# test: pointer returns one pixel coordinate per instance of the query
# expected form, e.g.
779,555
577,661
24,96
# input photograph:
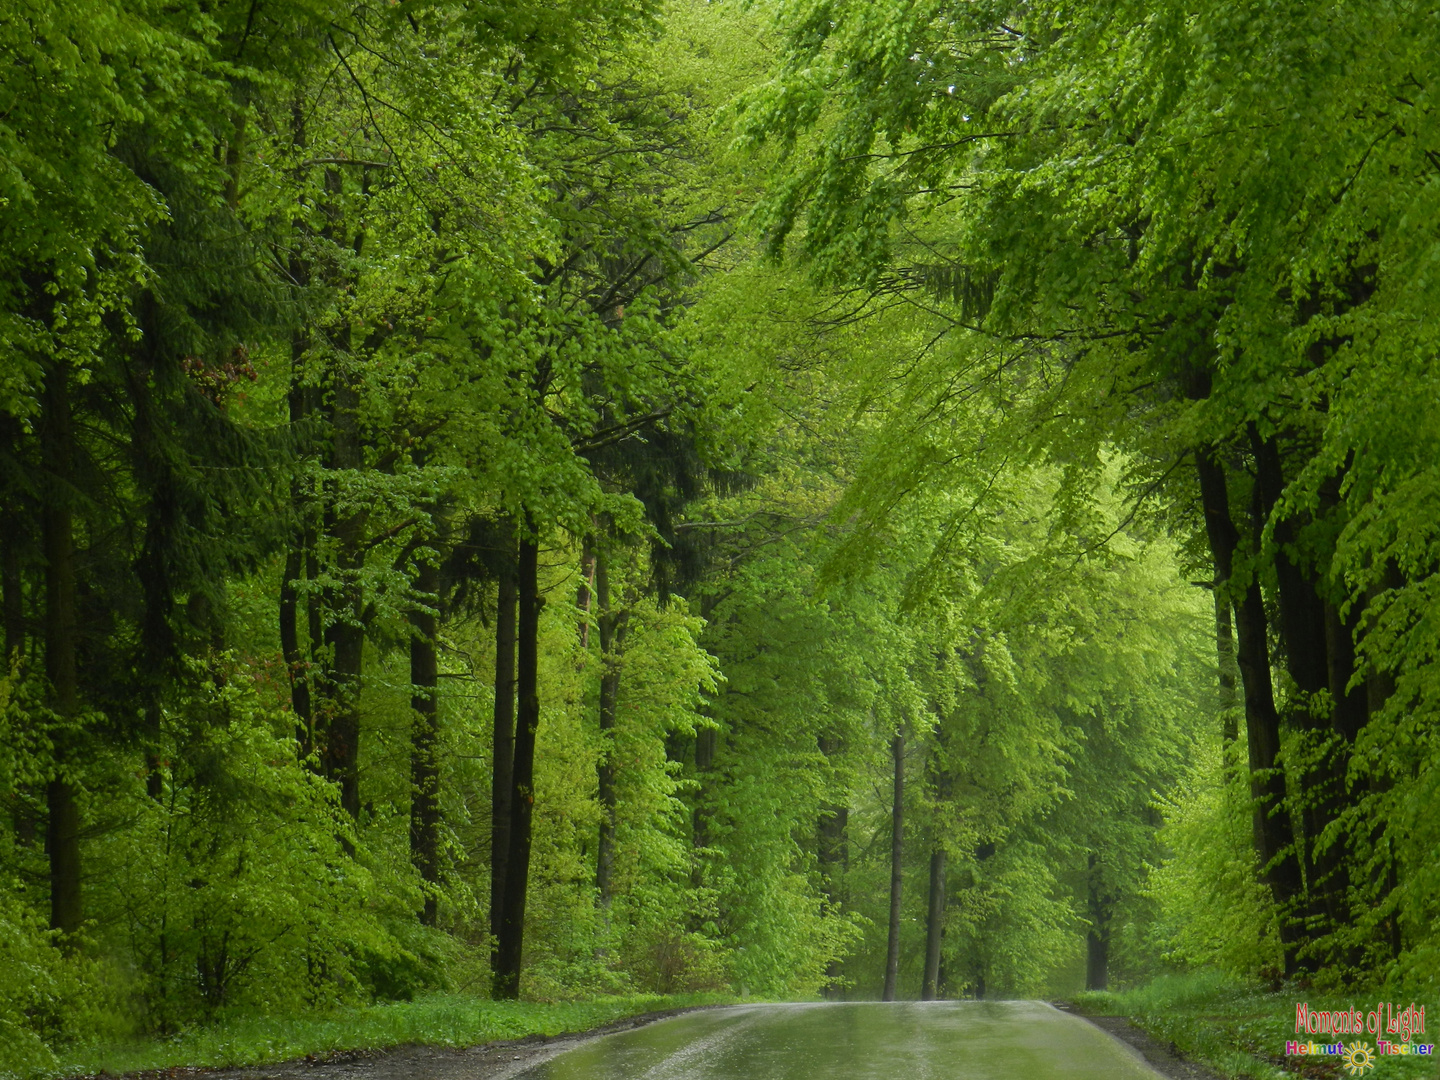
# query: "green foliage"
346,302
1214,913
437,1020
50,1000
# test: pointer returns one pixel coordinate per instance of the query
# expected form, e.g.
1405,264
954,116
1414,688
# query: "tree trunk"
832,854
346,633
897,852
1303,625
611,625
425,738
1097,939
503,742
934,926
522,794
346,638
1274,838
290,651
61,666
295,667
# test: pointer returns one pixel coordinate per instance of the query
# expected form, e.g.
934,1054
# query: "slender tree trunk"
290,651
1097,938
934,925
425,739
346,633
295,666
897,852
1274,838
346,637
1225,655
611,625
503,742
61,665
522,795
584,591
832,853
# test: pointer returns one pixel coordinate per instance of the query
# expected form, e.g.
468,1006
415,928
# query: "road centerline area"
945,1040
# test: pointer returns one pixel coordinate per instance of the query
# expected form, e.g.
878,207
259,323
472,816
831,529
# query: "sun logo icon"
1358,1057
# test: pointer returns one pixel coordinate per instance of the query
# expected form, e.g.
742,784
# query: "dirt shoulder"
499,1060
1165,1058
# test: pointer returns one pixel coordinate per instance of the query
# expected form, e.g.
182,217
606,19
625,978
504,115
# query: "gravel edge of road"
1166,1059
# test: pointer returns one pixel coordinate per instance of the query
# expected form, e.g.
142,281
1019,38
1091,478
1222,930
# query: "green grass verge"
440,1020
1241,1031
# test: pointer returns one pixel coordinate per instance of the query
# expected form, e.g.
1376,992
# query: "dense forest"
851,498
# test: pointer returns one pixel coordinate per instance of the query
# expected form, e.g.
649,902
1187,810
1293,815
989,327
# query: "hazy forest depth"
804,498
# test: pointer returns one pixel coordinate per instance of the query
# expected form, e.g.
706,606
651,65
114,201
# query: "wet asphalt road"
944,1040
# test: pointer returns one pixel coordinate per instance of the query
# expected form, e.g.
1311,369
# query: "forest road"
942,1040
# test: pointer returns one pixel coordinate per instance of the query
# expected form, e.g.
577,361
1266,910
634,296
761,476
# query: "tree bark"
503,742
1274,838
897,852
1097,938
295,667
61,665
834,859
1225,657
345,634
425,739
1303,625
934,925
522,794
611,625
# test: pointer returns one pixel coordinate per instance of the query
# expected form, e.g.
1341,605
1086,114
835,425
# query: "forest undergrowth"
451,1020
1239,1029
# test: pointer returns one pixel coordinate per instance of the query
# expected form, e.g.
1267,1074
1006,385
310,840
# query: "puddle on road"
941,1040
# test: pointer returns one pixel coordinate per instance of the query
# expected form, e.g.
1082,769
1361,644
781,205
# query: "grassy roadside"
1241,1031
439,1020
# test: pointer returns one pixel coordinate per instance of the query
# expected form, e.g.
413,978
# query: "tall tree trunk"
611,625
345,634
1303,626
425,738
61,666
295,666
934,925
503,741
897,852
1274,838
1097,938
833,855
522,794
